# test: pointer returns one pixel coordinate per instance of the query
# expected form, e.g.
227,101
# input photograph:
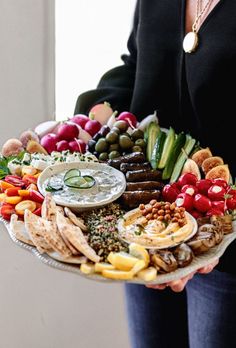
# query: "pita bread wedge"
73,259
73,250
35,227
18,229
49,208
75,219
76,238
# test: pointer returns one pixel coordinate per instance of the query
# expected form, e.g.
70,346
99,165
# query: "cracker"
18,229
75,219
76,238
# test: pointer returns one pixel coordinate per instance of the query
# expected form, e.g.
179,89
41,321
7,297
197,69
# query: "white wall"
41,307
91,35
26,65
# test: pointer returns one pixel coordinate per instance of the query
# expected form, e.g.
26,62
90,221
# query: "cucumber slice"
72,173
188,147
80,182
157,151
172,158
152,133
167,148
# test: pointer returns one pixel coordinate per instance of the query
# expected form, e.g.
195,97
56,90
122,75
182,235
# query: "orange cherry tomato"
5,185
23,193
22,206
29,179
13,200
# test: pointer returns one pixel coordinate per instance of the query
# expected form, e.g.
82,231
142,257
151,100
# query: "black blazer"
191,92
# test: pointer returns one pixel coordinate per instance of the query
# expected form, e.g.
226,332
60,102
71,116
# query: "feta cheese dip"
108,184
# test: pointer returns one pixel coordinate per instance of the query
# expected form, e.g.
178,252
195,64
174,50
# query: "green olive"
115,129
112,137
101,145
113,147
137,134
137,148
114,154
122,125
103,156
140,142
125,142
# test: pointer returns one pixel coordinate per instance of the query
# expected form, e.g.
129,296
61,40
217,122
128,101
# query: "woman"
191,90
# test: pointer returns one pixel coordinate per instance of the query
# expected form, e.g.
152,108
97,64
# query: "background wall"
41,307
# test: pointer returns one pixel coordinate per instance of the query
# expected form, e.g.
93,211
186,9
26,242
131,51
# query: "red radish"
187,178
170,193
80,120
68,131
231,203
190,189
214,211
101,112
220,182
46,127
216,193
49,142
77,146
83,135
92,127
203,185
201,203
219,205
128,117
196,214
62,145
184,200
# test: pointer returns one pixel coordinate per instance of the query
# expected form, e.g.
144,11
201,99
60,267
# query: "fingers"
179,285
157,287
208,268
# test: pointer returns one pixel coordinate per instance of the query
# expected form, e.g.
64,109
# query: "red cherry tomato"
38,211
189,189
220,182
14,180
184,200
12,191
216,193
203,185
29,179
201,203
170,193
196,214
187,178
36,196
6,210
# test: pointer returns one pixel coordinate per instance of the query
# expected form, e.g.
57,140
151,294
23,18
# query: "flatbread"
73,250
18,229
75,219
77,260
76,238
49,208
35,227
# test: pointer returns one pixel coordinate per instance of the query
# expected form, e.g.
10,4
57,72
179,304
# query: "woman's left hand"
179,285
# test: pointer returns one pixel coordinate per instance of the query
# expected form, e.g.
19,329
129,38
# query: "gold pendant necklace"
191,40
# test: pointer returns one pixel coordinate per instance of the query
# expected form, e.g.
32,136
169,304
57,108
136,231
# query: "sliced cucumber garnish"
72,173
80,182
54,185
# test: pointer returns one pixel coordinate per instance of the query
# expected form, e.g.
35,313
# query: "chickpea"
173,206
149,210
181,222
161,212
155,216
167,217
177,215
174,219
149,217
160,218
144,212
167,206
157,205
168,211
154,210
141,206
153,201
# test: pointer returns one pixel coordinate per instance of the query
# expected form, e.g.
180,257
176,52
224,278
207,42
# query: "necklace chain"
200,13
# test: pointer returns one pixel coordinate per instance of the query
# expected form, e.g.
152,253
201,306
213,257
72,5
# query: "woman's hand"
179,285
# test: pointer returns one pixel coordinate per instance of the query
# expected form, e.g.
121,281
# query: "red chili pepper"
6,210
14,180
201,203
203,185
187,178
184,200
189,189
36,196
216,193
170,193
12,191
38,211
196,214
232,191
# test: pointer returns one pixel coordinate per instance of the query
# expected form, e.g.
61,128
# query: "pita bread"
35,227
73,259
49,208
75,219
73,250
18,229
76,238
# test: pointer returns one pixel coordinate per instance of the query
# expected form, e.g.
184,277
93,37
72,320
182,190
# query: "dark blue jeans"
202,316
